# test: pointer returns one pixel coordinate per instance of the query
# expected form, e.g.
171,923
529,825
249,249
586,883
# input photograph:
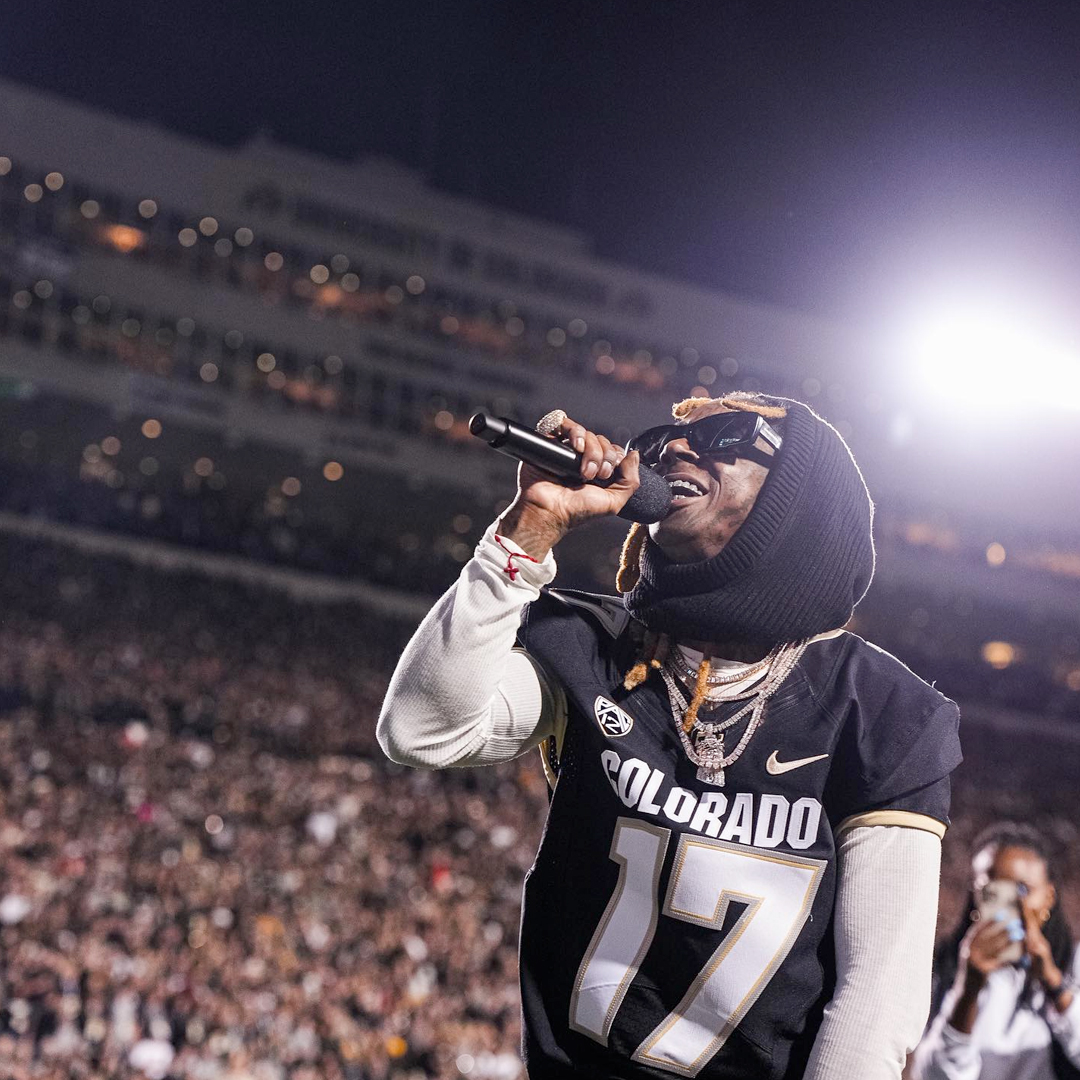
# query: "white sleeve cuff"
513,562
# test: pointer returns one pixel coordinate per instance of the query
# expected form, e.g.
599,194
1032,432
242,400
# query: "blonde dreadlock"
654,653
630,557
741,401
700,686
627,576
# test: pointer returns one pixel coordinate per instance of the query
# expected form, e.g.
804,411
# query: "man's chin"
679,545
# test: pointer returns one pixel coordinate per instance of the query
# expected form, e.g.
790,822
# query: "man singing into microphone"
738,876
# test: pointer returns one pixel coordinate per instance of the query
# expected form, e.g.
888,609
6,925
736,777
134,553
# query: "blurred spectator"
1007,1007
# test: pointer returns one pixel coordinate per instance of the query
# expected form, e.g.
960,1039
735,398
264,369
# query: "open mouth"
683,490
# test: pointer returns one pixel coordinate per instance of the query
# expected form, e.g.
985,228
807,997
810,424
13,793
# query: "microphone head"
487,427
651,501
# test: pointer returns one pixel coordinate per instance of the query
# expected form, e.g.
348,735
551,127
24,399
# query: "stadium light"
998,360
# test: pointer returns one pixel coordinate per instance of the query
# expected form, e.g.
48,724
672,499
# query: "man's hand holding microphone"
545,508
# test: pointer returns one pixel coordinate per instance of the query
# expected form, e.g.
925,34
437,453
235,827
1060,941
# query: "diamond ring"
550,422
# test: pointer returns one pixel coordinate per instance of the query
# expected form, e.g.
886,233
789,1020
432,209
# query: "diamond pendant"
709,748
711,776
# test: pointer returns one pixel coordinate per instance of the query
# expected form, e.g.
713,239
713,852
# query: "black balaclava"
796,567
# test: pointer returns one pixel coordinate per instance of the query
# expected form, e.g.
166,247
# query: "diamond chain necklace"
719,678
704,745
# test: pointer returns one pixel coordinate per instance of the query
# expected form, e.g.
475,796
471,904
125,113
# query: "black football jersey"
675,927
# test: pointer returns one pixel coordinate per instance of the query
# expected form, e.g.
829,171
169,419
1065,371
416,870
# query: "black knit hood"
797,566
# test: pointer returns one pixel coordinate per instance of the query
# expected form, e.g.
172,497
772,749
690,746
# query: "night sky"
827,156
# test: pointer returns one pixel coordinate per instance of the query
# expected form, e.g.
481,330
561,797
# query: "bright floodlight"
997,360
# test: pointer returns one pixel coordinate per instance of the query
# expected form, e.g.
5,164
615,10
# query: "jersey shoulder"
898,737
848,672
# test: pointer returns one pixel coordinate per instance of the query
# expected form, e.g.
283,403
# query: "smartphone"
999,900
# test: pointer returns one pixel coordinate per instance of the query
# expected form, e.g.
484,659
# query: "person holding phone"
1008,1009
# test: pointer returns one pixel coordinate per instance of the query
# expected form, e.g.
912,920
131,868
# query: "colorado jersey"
676,928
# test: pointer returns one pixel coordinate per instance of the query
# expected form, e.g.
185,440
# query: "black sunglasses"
744,434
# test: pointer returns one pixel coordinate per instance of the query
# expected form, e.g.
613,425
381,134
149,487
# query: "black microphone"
649,503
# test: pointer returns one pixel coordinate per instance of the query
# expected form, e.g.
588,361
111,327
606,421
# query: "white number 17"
707,875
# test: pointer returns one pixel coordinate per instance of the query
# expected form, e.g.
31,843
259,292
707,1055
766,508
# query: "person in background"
996,1019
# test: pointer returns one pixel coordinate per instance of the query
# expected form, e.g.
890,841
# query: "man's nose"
677,450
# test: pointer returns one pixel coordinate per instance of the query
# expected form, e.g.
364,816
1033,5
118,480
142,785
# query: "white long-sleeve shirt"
462,695
1007,1041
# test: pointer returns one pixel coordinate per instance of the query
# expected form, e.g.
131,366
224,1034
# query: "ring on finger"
550,422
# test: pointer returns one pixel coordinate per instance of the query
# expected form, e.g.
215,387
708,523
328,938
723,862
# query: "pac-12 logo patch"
612,720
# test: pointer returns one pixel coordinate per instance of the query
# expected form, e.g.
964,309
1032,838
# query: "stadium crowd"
209,871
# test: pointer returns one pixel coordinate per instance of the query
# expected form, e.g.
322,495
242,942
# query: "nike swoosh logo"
775,767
